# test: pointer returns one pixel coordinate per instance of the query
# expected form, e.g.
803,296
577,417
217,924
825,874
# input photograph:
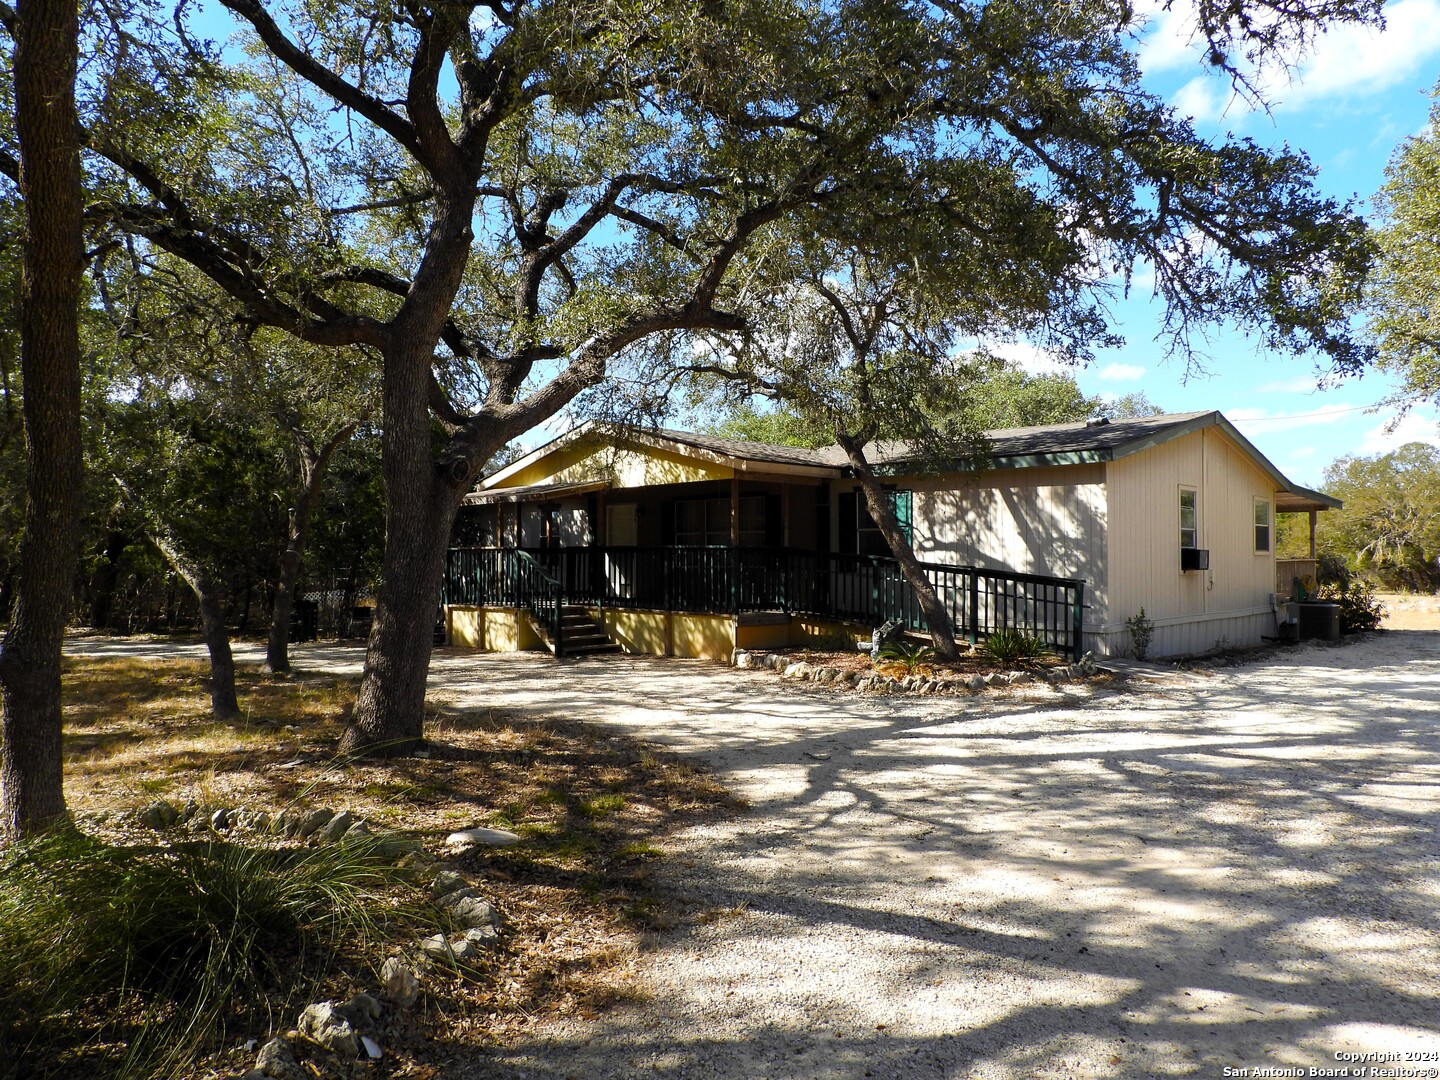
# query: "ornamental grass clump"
132,961
1009,646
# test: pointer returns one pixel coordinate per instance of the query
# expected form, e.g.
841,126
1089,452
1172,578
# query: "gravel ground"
1227,870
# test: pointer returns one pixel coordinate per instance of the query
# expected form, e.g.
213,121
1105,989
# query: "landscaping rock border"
872,682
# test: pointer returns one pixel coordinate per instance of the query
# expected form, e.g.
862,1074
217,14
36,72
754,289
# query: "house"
694,545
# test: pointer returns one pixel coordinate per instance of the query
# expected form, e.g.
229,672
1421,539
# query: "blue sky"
1355,95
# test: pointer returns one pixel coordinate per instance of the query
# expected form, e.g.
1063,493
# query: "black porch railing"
864,588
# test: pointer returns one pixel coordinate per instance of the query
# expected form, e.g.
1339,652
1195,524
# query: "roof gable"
607,455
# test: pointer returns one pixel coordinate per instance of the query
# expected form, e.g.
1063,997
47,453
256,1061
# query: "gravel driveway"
1228,870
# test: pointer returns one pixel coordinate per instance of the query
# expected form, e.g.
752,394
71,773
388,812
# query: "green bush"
1142,629
1359,609
907,653
160,949
1008,646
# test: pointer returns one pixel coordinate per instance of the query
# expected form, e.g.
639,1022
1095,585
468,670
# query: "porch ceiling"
1299,500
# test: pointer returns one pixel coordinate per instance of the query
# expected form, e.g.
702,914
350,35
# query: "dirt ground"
1409,611
1228,869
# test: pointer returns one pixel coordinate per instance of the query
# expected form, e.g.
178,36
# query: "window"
1262,526
706,522
1189,519
859,534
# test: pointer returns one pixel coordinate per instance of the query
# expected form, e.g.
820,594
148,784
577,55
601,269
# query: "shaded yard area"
1228,868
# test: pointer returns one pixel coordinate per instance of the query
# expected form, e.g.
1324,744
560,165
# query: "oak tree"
507,202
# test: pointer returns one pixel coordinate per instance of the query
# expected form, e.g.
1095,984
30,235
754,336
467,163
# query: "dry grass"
1410,611
576,895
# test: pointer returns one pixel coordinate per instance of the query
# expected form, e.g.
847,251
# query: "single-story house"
686,544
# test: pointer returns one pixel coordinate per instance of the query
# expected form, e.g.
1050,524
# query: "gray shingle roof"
742,448
1051,444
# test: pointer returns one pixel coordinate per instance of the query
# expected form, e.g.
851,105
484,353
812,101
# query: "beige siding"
1231,599
1031,521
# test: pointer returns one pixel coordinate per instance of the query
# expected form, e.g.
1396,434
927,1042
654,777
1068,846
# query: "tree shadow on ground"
1237,871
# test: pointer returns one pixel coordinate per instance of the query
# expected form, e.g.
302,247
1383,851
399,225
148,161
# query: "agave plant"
909,655
1008,646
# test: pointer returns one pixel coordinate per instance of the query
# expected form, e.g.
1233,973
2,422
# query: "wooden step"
582,635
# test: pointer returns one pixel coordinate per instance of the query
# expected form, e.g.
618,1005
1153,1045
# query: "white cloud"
1028,358
1416,426
1204,99
1252,422
1170,36
1304,384
1120,372
1358,60
1347,60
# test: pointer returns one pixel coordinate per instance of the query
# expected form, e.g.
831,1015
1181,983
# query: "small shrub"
906,654
161,949
1007,646
1142,629
1359,609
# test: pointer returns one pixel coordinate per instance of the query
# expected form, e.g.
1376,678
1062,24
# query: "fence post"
1077,622
734,580
974,607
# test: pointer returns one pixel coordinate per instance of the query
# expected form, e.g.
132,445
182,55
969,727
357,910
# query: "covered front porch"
754,596
695,545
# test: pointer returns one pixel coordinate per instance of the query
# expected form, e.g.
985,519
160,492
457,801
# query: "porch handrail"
542,596
506,577
866,588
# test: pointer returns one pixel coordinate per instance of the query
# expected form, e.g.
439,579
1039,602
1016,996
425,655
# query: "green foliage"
1403,296
165,948
1292,536
779,426
911,655
1129,406
1142,629
1008,646
1359,609
1012,398
1390,526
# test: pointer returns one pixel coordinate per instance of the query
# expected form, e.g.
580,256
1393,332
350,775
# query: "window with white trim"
1262,526
1189,519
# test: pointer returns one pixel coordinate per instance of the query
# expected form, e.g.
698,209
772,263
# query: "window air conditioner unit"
1194,558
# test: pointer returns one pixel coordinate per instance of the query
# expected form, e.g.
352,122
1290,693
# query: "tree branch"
320,76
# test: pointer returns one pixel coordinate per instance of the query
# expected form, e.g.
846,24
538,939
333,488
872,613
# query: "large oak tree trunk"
31,790
942,633
420,502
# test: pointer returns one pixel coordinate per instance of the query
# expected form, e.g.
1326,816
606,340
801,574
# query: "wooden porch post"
1314,514
735,543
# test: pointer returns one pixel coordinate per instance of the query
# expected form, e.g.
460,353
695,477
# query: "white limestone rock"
325,1024
470,839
